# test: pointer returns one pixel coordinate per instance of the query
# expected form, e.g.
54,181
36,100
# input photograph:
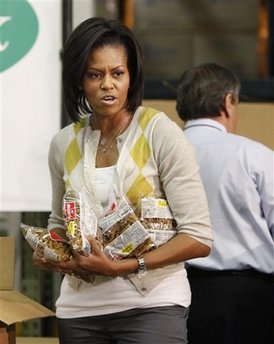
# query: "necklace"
105,142
104,139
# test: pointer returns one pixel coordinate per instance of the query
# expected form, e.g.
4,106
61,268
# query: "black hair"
91,34
202,91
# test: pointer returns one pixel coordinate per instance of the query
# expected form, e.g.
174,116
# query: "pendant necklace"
103,140
105,143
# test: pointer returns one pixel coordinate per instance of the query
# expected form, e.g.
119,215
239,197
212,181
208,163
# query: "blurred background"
175,35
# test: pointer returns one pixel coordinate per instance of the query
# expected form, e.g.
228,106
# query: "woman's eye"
118,73
93,75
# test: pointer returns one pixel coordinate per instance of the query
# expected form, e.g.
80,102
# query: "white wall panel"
30,106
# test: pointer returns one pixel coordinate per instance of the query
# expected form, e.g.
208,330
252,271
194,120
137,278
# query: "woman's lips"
108,99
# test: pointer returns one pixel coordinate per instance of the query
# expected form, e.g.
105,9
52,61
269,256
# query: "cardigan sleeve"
56,168
181,181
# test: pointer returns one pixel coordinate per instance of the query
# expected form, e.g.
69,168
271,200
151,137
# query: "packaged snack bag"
157,219
52,245
123,235
80,220
44,245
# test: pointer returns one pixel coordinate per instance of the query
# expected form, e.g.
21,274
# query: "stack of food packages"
120,231
124,234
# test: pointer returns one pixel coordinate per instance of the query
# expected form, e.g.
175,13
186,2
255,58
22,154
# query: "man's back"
232,288
238,176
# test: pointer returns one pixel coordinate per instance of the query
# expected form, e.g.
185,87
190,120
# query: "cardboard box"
14,306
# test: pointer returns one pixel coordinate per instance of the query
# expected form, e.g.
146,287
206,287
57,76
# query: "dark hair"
91,34
202,90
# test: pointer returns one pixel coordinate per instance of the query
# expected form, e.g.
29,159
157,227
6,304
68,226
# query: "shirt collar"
205,122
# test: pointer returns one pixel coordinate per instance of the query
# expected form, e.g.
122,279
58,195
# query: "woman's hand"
42,264
96,262
68,267
85,266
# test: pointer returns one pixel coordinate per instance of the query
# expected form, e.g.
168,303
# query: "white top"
119,287
238,176
104,183
119,294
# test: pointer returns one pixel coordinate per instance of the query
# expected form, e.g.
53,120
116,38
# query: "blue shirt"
238,175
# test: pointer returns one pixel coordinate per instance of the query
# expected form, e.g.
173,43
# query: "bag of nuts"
42,243
157,219
80,220
123,235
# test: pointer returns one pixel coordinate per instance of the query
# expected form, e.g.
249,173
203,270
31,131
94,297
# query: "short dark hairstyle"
91,34
202,90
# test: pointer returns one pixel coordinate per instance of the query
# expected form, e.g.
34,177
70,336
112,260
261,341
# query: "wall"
82,9
256,120
176,35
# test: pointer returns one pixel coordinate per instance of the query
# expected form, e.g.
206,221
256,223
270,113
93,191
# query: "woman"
117,147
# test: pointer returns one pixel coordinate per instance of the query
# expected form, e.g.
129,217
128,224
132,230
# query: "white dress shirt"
238,175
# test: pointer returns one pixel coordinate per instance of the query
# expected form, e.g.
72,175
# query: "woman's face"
106,80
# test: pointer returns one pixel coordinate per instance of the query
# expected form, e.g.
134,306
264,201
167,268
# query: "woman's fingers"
95,245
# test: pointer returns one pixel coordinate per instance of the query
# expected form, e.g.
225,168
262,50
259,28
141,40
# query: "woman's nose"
107,82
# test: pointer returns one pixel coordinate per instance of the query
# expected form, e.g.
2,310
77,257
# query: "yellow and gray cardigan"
154,159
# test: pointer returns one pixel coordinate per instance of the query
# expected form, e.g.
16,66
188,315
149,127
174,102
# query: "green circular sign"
18,31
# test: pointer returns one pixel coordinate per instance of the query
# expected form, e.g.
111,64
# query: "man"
232,288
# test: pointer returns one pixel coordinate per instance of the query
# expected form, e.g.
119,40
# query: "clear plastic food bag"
123,235
157,219
45,247
80,220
